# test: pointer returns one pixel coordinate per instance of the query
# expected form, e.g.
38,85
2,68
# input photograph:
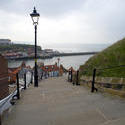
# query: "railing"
73,77
22,82
104,82
24,78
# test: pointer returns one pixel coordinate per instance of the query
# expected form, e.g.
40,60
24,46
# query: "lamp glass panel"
35,19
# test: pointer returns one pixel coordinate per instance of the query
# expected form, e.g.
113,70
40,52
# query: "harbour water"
67,61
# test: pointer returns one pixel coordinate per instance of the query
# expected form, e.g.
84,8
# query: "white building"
5,41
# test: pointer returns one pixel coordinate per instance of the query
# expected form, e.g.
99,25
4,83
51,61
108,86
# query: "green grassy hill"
110,57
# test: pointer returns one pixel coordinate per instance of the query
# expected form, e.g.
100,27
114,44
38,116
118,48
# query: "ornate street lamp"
35,17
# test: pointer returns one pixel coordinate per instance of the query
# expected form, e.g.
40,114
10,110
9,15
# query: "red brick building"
4,90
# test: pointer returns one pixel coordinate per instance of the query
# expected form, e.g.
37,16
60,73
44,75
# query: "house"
12,74
14,54
48,51
50,70
4,90
63,69
22,69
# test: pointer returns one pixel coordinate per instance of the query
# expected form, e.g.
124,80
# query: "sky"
63,22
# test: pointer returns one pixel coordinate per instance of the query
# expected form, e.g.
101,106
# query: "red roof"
49,68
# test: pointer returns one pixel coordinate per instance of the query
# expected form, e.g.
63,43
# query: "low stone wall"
4,91
112,85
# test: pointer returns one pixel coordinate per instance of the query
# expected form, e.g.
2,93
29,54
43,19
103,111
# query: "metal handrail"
94,75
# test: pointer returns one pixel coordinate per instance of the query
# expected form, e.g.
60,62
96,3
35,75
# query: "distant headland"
12,51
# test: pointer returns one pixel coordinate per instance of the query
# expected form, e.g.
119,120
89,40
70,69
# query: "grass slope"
112,56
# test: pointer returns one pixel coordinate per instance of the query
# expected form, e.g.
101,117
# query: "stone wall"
111,85
4,91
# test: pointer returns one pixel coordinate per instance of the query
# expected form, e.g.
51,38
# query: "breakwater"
52,55
76,54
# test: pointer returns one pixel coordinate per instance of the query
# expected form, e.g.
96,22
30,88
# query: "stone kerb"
104,80
113,85
86,80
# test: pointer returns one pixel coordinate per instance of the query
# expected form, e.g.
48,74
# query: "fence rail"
107,82
20,81
15,91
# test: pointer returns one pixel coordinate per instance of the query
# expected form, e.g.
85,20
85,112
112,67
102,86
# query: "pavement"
58,102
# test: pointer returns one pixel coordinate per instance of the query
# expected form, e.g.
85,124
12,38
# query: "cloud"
64,21
45,7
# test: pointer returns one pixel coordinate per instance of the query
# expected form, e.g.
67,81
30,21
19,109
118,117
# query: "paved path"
57,102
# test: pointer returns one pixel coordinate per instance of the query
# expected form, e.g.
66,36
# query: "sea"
66,61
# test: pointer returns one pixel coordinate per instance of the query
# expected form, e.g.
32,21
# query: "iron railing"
93,88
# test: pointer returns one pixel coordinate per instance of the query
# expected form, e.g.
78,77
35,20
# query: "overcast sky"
63,21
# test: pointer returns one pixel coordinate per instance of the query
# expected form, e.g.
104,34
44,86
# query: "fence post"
77,78
93,81
41,75
71,76
31,77
68,76
24,80
18,89
45,75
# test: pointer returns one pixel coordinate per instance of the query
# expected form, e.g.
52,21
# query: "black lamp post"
35,17
58,61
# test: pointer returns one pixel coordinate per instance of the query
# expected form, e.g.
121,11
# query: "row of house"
21,70
50,70
43,71
13,55
8,75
